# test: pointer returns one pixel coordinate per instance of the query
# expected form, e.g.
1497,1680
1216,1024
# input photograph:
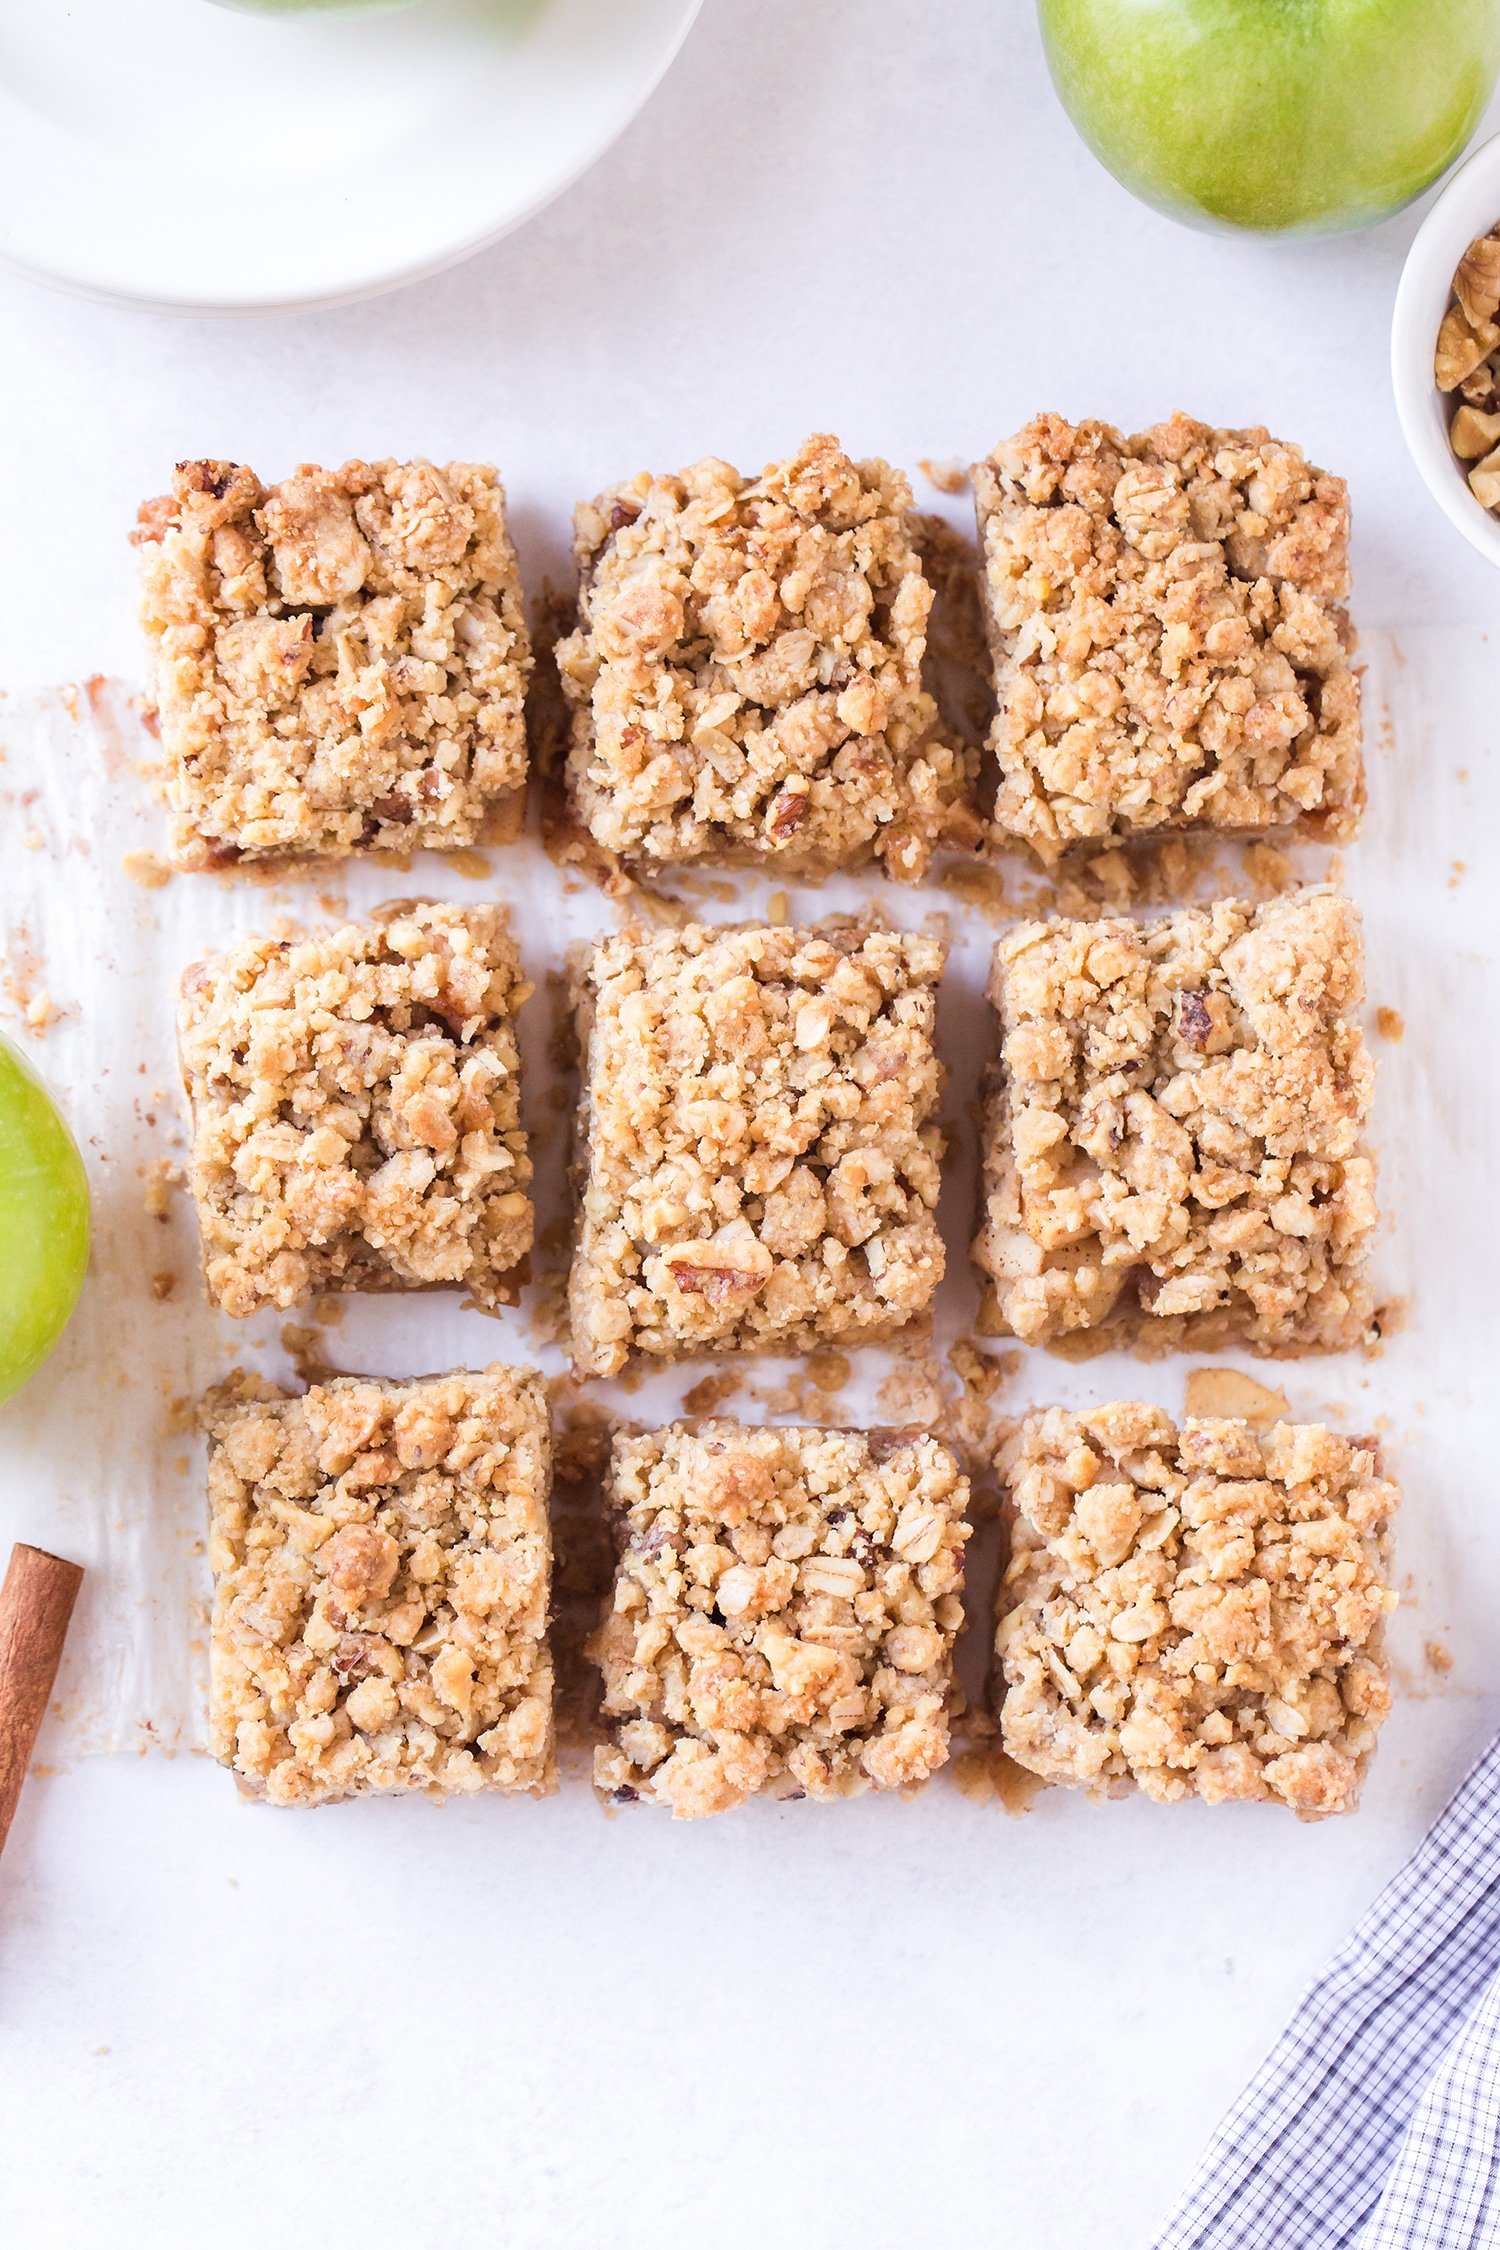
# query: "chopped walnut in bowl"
1466,366
1445,348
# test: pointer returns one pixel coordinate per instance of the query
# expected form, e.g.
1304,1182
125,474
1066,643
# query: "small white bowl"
1468,206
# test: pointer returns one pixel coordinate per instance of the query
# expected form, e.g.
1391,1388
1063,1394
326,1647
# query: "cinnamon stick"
36,1602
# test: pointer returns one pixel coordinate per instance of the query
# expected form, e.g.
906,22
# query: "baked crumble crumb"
950,475
339,661
381,1557
355,1109
783,1613
758,1145
746,673
1227,1394
1174,1140
1195,1611
1169,642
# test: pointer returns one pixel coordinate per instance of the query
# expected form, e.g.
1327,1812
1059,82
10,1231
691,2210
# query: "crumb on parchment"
24,983
161,1177
950,476
1225,1393
148,869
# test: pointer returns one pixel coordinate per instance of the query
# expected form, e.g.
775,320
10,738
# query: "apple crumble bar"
339,661
758,1148
1169,644
746,676
1194,1611
1174,1140
783,1613
355,1109
381,1556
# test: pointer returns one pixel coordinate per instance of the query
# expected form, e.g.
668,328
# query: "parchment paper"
99,1456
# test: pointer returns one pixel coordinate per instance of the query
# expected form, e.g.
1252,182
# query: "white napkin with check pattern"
1374,2122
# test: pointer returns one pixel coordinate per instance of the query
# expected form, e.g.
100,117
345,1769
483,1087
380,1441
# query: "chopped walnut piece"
1461,347
1175,1182
721,1285
1194,1023
1169,642
356,1116
1479,386
747,674
788,814
1467,361
783,1613
758,1141
1472,433
1194,1611
381,1559
340,661
1477,281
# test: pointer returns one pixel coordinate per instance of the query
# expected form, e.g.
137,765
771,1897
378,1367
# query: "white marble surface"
882,2024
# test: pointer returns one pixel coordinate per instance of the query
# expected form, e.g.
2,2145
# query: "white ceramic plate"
174,155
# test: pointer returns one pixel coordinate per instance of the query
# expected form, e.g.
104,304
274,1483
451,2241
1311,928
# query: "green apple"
44,1221
1281,115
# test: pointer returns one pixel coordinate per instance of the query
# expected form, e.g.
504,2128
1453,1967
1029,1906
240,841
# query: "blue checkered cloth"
1374,2122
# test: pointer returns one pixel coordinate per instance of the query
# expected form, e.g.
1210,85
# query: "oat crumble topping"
746,676
340,660
380,1556
1167,633
1175,1138
355,1100
760,1157
1195,1611
783,1613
